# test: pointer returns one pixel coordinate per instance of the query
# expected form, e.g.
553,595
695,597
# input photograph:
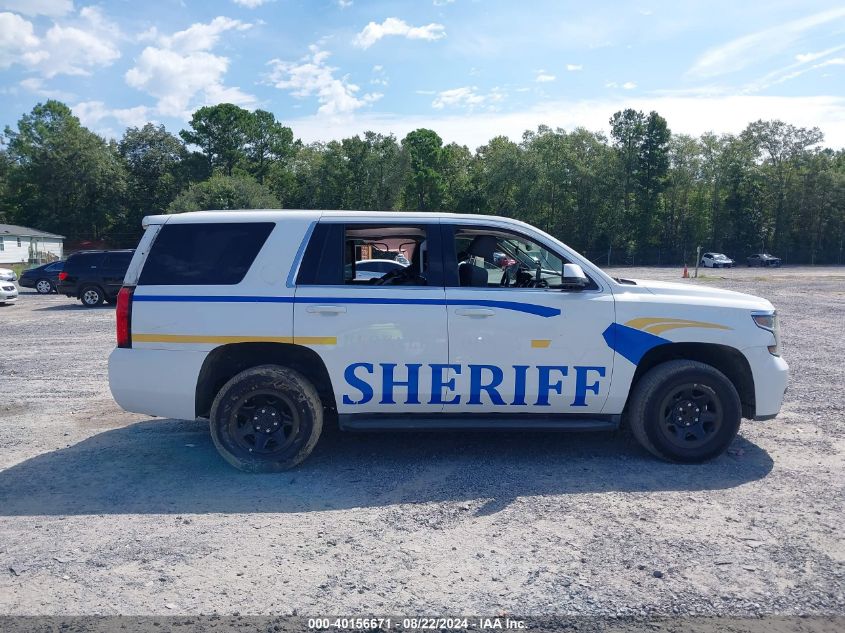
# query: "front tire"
91,296
266,419
43,286
685,411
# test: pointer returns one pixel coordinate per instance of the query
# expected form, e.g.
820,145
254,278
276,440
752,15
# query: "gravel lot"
106,512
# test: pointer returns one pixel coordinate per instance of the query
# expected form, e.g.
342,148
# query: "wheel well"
223,362
728,360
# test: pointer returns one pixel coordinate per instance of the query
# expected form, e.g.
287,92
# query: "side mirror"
574,277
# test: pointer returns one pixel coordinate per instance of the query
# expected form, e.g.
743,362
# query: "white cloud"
17,38
93,113
574,67
36,86
793,70
344,4
251,4
688,115
51,8
373,32
544,77
466,97
628,85
442,3
70,48
311,76
182,73
200,36
759,46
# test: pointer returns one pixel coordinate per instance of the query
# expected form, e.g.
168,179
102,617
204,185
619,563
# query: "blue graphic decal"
528,308
631,343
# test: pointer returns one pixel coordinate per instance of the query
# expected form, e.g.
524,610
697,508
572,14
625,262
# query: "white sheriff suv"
258,321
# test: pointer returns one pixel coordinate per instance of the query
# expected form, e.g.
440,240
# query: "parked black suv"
94,276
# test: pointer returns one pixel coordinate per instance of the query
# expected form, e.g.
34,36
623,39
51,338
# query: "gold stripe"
223,340
658,325
541,342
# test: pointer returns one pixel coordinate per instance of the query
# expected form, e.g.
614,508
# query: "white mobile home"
19,244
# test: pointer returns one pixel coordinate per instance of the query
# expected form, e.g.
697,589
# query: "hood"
702,294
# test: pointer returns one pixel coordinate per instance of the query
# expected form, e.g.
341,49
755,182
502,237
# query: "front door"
519,342
382,337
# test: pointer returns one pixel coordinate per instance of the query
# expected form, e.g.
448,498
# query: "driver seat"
471,275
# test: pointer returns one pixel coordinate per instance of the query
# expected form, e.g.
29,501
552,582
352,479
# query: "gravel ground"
106,512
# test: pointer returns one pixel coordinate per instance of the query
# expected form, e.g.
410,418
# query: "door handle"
326,309
475,312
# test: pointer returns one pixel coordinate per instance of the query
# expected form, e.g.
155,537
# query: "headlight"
769,321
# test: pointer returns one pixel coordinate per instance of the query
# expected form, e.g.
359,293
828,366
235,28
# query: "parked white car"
376,268
717,260
8,292
7,274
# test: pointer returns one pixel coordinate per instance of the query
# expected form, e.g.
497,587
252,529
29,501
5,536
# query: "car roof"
274,215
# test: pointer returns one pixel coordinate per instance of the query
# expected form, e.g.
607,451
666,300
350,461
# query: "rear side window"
84,260
203,254
118,260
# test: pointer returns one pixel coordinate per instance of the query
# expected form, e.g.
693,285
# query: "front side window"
491,258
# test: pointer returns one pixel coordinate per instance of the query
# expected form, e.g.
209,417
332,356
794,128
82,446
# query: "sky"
469,69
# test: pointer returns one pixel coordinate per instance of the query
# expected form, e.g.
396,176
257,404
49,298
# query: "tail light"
62,276
123,314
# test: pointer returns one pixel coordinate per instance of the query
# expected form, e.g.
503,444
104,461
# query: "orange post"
686,272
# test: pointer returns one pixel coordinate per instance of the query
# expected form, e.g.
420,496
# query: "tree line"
643,195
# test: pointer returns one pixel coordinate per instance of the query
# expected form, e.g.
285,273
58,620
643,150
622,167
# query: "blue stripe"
528,308
629,342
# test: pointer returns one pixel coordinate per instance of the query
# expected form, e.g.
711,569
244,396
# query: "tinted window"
204,254
334,251
85,260
118,260
55,267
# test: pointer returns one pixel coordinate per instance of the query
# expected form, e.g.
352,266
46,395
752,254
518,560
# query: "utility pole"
697,260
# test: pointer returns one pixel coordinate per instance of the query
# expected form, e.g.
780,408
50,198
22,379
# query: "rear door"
381,339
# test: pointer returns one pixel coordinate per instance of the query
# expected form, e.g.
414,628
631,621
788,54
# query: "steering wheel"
391,277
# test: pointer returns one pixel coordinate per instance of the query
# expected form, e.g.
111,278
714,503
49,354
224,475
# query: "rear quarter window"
203,254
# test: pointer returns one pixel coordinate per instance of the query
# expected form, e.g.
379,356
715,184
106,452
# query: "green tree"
424,184
224,193
222,133
268,143
156,166
66,179
781,145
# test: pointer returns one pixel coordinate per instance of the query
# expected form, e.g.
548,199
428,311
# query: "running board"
474,421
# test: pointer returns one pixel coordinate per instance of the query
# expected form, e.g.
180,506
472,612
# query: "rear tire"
43,286
685,411
91,296
266,419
